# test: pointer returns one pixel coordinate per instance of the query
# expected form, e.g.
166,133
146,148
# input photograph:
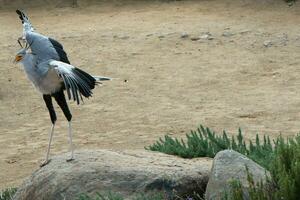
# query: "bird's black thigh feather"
48,100
61,101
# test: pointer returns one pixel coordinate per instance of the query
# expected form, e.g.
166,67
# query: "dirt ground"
244,73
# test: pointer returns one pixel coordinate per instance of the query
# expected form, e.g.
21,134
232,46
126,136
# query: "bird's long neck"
29,60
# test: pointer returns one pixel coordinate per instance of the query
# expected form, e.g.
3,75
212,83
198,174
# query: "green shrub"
116,196
256,191
7,194
281,158
203,142
98,196
286,169
285,172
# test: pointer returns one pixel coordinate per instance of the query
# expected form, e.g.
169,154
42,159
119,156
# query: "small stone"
227,34
195,38
244,32
184,35
206,36
268,43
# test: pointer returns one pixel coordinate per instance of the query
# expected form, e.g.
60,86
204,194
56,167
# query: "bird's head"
22,52
20,55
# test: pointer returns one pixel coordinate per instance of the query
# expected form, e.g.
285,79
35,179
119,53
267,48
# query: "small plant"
286,169
8,194
106,196
281,158
115,196
203,142
255,191
285,172
151,196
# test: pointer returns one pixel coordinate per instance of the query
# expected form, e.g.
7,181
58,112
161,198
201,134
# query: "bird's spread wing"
44,47
27,26
60,51
76,81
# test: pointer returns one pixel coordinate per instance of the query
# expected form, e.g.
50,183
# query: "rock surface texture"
230,165
126,172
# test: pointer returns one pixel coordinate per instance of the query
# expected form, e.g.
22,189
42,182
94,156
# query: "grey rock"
268,43
206,36
184,35
122,37
125,172
195,38
245,32
227,34
230,165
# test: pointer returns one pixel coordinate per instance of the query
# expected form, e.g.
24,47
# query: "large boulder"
124,172
229,165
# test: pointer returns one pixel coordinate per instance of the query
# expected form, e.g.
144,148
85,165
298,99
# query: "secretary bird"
47,66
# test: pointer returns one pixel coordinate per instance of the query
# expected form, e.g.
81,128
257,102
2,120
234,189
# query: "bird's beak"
17,59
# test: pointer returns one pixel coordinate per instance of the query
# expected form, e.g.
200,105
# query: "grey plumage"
49,76
48,54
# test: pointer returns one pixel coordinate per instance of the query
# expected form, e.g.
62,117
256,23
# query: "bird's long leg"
71,142
48,101
61,101
49,144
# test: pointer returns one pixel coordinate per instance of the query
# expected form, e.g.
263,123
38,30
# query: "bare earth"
173,83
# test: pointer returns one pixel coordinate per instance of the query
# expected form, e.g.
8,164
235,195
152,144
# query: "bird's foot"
45,163
70,159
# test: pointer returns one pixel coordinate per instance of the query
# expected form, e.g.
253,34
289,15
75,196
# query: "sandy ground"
173,83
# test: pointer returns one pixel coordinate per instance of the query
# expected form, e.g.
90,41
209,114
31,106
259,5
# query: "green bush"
285,172
7,194
98,196
281,158
256,191
116,196
203,142
286,169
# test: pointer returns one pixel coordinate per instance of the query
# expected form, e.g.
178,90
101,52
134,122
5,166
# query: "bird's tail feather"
102,78
88,79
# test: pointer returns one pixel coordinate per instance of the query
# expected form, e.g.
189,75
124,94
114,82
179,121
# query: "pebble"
227,34
184,35
268,43
195,38
206,36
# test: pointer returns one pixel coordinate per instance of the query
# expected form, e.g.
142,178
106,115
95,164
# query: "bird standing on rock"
48,68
